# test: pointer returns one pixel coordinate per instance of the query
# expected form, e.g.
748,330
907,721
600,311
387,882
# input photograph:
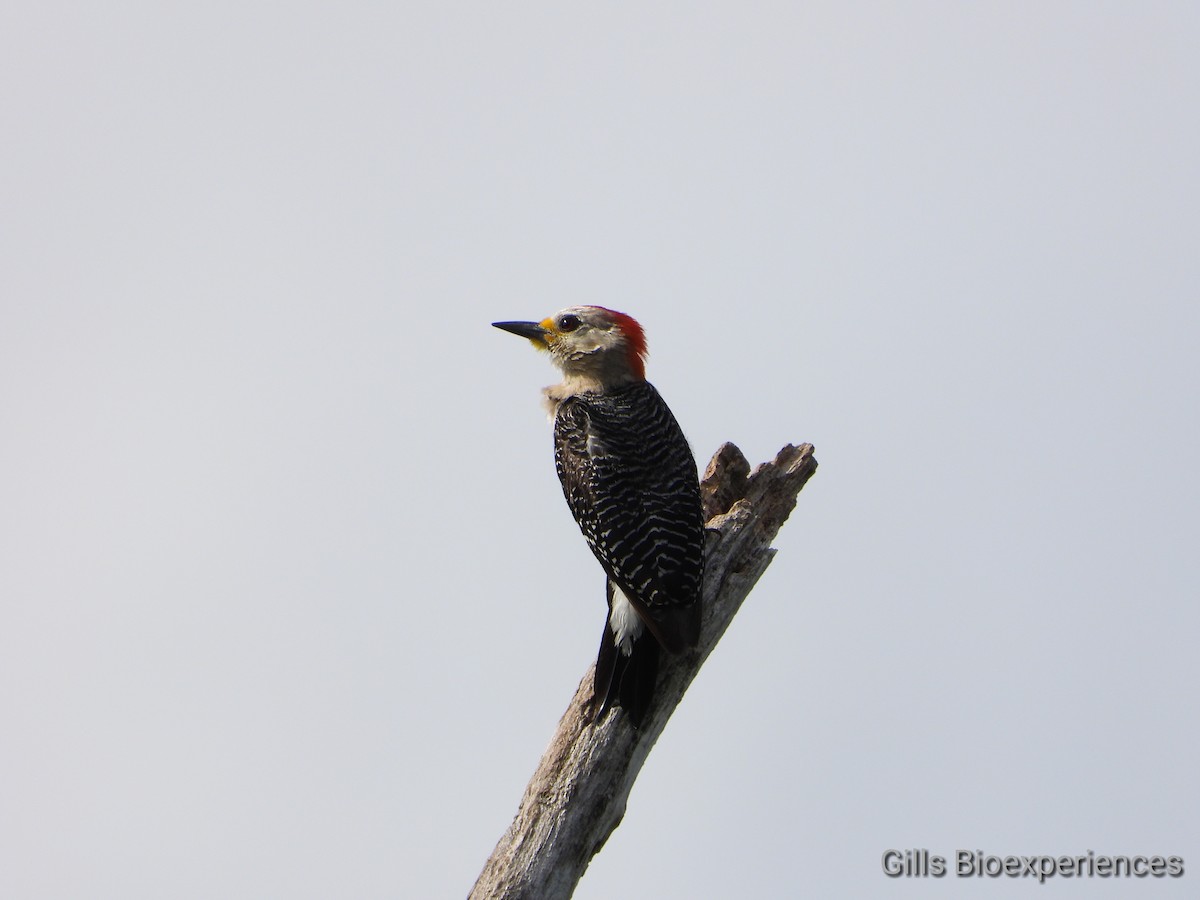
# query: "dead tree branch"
577,796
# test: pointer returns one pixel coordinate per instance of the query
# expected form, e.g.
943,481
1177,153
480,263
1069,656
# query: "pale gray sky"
290,602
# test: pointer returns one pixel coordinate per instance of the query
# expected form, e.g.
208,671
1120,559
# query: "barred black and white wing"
629,479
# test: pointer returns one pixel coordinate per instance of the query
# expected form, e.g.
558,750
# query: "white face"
596,348
581,339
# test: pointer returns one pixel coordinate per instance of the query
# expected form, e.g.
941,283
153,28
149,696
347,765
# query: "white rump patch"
624,621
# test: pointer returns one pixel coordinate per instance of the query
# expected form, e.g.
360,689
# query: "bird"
630,481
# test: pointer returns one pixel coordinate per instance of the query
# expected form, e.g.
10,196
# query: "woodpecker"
629,478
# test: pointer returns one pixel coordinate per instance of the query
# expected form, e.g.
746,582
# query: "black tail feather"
606,664
626,681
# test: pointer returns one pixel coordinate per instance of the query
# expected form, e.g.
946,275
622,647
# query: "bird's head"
590,343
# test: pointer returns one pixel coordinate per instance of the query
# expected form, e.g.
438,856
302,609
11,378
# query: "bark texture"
577,796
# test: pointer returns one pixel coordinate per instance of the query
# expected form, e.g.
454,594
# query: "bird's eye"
569,322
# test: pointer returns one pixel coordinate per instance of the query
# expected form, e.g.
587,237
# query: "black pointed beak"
531,330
